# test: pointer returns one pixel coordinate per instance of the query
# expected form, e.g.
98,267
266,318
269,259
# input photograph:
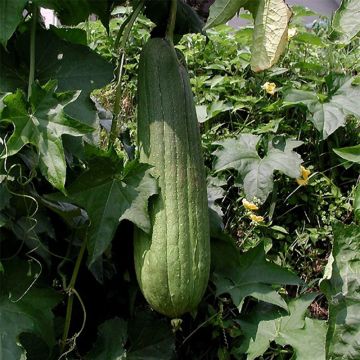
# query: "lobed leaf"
257,173
266,324
341,285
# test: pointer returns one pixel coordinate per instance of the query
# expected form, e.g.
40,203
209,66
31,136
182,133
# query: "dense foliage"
281,152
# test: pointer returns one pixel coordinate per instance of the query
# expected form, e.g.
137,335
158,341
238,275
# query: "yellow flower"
269,87
256,218
249,205
291,33
303,179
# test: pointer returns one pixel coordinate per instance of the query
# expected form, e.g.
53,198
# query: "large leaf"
187,20
23,309
248,275
150,338
270,33
350,153
73,12
222,11
147,337
331,114
346,21
341,285
111,193
41,123
76,67
266,324
112,335
10,17
256,172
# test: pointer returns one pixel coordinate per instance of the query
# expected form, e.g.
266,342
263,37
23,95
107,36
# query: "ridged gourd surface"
172,263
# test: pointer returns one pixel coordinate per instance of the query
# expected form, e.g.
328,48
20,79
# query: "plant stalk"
124,33
32,48
171,22
70,292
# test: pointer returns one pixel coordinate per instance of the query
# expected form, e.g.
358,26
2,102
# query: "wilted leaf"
256,172
266,324
341,285
270,33
346,21
41,123
248,275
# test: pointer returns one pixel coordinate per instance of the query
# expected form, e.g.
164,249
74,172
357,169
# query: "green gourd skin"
172,263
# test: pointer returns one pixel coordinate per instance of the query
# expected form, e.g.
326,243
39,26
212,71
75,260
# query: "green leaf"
331,114
23,309
10,17
249,274
110,193
150,338
341,285
270,33
309,38
357,203
73,12
76,67
266,324
346,21
146,337
41,123
222,11
350,153
187,20
112,336
256,172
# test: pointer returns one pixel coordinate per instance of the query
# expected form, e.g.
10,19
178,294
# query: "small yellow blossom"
269,87
249,205
256,218
303,179
291,33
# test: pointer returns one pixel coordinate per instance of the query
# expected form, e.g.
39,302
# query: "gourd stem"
171,22
70,291
32,48
124,33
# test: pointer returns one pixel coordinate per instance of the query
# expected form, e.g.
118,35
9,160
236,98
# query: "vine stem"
70,291
124,33
32,48
171,22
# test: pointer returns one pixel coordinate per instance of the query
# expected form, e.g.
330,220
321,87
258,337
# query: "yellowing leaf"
270,33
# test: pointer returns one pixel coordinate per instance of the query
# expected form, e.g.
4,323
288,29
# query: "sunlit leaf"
350,153
341,285
327,116
266,324
222,11
346,21
41,122
257,173
249,274
270,33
